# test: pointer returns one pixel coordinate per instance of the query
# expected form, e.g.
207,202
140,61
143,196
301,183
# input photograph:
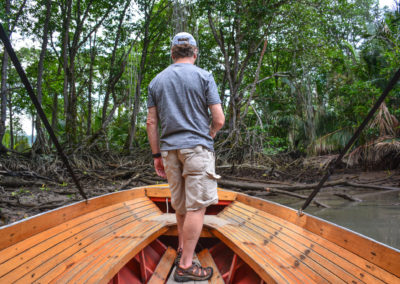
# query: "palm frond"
384,150
331,142
385,121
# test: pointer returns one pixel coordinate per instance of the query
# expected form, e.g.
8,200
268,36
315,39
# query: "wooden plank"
226,195
22,230
163,268
28,248
266,272
109,263
158,192
273,260
281,256
206,259
378,254
301,254
134,233
124,252
70,235
81,245
346,255
328,254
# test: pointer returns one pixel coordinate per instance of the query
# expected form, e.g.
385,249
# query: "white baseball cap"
183,38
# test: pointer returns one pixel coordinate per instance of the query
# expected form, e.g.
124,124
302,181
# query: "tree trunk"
146,43
54,110
11,123
66,10
33,130
4,90
92,58
69,69
40,145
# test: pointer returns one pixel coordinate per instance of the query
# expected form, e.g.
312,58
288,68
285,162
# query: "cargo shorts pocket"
195,161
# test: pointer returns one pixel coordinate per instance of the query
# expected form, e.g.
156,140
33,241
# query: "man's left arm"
154,140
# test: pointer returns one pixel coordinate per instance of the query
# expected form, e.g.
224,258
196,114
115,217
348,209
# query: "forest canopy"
293,76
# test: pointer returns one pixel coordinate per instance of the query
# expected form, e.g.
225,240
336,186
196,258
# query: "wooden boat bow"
125,233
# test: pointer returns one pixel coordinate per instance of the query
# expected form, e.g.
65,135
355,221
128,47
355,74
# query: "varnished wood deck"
92,242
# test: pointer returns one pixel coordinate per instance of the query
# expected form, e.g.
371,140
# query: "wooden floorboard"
206,260
160,274
330,255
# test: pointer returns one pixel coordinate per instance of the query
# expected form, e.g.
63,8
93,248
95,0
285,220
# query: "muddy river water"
377,216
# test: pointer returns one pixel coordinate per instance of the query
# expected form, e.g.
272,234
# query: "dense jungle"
296,79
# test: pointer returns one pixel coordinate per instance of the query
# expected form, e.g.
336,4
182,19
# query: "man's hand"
218,119
159,166
212,133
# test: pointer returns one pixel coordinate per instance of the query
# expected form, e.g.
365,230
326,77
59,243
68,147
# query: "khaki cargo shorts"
191,177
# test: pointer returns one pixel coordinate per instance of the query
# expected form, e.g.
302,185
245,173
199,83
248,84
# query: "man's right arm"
218,119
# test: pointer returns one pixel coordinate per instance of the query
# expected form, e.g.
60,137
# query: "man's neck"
189,60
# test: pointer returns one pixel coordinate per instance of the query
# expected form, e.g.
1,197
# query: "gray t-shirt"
182,93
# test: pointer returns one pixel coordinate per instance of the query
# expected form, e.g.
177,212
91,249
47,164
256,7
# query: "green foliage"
325,64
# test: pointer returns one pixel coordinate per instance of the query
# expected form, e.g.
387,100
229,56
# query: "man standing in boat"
179,98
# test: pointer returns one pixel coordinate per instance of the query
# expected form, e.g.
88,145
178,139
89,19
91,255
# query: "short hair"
183,50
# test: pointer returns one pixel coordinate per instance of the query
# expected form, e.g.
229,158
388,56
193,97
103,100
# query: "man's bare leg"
192,227
180,220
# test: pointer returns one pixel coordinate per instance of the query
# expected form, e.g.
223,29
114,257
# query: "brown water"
376,216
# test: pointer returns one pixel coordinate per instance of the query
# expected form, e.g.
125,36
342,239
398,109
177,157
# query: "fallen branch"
262,186
372,186
347,197
128,182
267,189
316,202
25,174
20,183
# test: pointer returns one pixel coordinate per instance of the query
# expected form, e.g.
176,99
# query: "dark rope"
332,166
29,89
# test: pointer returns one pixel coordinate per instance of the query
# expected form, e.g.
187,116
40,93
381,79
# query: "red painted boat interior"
231,267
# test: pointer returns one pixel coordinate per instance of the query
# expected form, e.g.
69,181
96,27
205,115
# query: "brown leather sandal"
178,257
193,273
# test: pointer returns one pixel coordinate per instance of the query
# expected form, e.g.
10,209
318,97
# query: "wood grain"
206,259
163,268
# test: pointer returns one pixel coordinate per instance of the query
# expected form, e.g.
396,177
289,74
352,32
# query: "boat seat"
89,248
281,252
